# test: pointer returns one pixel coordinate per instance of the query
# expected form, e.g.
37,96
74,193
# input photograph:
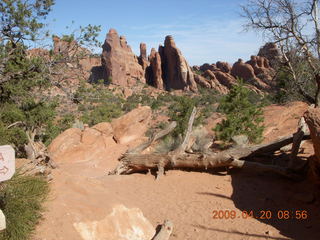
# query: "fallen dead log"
237,157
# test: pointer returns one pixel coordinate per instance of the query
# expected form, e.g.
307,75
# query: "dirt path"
187,198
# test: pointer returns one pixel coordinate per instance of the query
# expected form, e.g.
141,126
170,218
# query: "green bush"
242,116
21,200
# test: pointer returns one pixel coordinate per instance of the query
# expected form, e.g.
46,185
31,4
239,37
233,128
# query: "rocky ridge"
168,69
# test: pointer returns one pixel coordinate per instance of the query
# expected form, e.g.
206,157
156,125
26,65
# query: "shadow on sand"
259,192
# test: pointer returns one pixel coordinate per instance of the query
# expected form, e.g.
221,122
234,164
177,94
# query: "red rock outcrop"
246,72
262,68
271,52
143,60
155,73
176,71
207,66
132,125
95,143
224,66
222,78
225,79
120,64
211,82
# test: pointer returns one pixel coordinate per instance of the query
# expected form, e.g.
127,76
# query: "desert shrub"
102,113
21,200
134,100
242,116
287,90
168,144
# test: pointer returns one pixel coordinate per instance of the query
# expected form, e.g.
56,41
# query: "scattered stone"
2,221
121,224
240,140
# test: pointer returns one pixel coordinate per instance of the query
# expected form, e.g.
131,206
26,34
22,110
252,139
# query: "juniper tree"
242,116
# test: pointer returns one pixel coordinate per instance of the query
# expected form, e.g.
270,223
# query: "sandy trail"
186,198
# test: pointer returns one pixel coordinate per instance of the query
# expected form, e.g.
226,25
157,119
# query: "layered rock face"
120,64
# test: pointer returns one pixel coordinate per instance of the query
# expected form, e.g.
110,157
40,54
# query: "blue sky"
204,30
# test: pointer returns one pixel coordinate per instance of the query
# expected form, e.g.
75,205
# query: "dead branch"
236,157
185,142
154,138
297,139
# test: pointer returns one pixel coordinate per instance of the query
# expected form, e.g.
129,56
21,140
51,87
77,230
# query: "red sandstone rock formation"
120,64
143,61
224,66
262,68
246,72
211,83
155,73
207,66
176,71
271,52
222,78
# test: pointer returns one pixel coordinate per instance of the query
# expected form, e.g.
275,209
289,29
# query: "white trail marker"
7,162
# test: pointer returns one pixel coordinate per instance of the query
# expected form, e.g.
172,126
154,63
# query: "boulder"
155,73
104,127
176,71
75,145
2,221
132,125
119,63
69,139
121,224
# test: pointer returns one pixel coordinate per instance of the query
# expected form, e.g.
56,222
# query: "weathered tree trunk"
312,117
133,161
